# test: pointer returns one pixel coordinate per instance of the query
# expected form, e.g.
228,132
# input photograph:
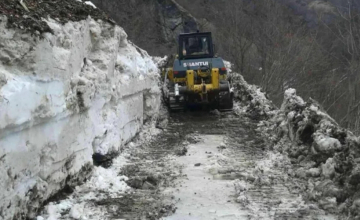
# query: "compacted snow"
201,196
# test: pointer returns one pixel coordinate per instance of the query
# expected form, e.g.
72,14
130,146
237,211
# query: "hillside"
312,46
308,45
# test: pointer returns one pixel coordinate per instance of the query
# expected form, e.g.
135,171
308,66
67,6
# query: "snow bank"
257,104
329,156
63,97
325,157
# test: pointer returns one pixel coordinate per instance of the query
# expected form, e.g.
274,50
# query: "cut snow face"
63,98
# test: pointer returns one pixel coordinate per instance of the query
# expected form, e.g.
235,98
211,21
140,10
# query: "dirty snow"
251,100
325,156
103,184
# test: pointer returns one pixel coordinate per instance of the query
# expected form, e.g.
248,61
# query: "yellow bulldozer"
195,77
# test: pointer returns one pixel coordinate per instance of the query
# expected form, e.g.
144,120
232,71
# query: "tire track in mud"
269,193
253,174
249,177
151,169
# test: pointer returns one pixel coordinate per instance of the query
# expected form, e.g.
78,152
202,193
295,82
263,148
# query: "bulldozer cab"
195,45
196,77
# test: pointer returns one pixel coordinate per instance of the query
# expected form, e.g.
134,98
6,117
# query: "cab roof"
195,34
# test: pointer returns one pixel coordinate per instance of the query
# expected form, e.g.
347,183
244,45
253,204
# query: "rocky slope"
72,90
153,25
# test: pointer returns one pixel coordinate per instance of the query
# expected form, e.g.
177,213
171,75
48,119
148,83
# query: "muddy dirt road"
201,166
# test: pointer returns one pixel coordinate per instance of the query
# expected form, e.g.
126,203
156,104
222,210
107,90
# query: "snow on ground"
104,184
82,90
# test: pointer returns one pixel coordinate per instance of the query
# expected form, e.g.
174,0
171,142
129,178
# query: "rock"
240,186
135,182
154,179
162,124
354,178
328,169
225,170
301,172
222,146
148,186
242,199
328,203
215,112
3,80
355,207
193,139
313,172
326,144
197,164
262,180
76,211
250,177
181,152
130,170
328,189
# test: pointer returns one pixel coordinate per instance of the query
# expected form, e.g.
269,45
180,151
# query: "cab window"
196,46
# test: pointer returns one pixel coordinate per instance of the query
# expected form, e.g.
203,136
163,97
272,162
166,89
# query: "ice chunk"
90,3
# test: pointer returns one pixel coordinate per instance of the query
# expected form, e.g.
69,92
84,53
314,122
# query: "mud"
206,166
242,166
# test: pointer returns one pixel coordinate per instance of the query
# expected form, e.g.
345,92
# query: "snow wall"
64,96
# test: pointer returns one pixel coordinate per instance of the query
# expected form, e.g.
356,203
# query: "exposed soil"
32,21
